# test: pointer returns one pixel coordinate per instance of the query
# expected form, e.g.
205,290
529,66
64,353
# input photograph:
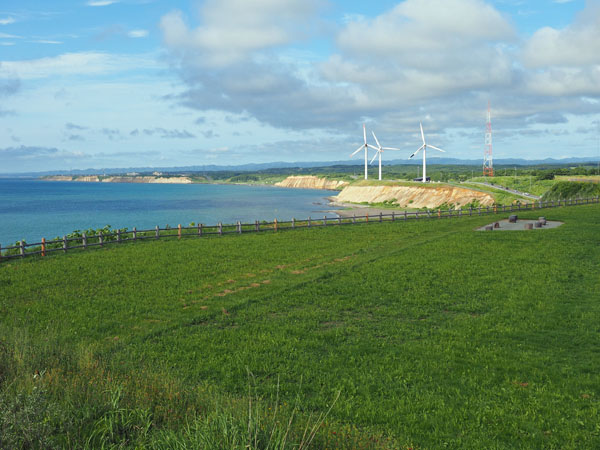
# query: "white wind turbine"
380,150
424,148
364,147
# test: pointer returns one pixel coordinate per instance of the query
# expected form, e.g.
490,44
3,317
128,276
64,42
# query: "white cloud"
233,29
424,49
46,41
101,2
9,36
7,21
137,33
83,63
576,45
565,61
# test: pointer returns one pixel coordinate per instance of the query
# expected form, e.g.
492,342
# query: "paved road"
512,191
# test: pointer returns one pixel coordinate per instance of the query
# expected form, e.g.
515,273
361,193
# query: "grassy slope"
435,334
523,184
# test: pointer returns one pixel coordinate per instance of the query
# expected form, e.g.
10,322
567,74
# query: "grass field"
432,335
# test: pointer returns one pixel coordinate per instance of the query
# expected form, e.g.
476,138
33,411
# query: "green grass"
572,189
521,183
434,335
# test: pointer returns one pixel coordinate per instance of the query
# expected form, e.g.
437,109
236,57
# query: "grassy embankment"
433,335
521,183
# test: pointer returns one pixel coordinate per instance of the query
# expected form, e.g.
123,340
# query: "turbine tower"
424,148
380,150
364,147
488,163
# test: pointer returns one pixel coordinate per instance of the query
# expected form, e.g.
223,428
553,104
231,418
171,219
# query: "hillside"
414,195
311,182
432,334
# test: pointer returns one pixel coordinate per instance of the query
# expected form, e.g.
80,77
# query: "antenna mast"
488,164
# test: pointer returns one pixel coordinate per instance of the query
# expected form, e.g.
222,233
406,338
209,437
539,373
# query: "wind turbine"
365,146
424,148
380,150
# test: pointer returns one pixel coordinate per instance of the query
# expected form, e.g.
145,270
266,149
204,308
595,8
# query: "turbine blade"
373,147
358,150
420,148
422,134
378,144
438,149
365,133
375,157
389,148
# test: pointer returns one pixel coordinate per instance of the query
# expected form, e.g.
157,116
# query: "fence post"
43,246
449,213
495,209
157,232
22,249
293,222
100,238
405,215
308,221
118,235
428,214
134,233
220,228
65,244
324,221
275,224
393,216
519,206
84,239
179,231
0,252
416,214
339,220
354,218
439,213
367,217
239,227
470,210
199,229
380,216
460,212
256,225
480,210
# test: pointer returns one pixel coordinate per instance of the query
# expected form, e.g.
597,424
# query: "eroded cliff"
311,182
413,197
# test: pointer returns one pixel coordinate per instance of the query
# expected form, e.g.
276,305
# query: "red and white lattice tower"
488,163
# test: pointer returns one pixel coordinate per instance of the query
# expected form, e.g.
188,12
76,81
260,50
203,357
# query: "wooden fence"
65,244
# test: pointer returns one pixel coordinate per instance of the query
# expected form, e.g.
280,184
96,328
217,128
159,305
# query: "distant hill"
310,164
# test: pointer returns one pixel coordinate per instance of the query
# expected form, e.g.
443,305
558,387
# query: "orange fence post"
367,217
495,208
43,246
275,224
179,231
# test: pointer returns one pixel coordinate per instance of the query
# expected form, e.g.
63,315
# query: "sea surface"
31,209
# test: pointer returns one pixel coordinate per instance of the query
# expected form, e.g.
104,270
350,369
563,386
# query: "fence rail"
84,241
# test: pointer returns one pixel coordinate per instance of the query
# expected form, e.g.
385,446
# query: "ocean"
31,209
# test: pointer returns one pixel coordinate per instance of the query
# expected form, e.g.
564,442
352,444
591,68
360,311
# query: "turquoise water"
32,209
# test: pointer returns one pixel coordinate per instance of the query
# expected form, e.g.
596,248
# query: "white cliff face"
414,197
124,179
311,182
161,180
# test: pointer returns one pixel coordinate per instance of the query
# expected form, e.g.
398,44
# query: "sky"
163,83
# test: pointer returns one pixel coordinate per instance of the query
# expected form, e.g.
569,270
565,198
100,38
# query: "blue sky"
125,83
